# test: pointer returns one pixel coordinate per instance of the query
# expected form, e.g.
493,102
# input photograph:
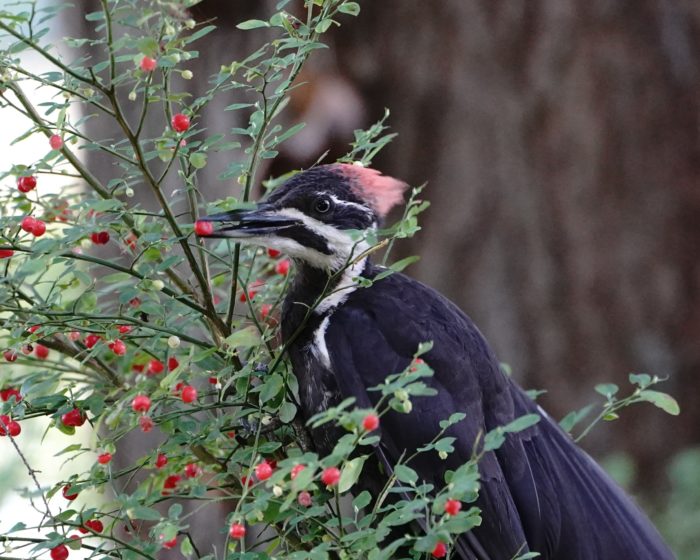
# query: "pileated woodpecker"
539,492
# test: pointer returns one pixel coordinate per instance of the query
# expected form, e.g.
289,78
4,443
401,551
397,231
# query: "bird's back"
540,492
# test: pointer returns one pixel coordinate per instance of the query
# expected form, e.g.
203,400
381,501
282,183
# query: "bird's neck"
315,293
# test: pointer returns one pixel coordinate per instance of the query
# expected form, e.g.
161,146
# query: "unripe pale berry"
187,75
174,341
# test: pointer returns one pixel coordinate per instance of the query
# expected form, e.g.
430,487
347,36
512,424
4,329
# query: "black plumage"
539,492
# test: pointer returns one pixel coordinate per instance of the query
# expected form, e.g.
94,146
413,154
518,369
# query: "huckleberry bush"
118,320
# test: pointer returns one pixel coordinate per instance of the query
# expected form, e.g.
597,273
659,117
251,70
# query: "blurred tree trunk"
560,142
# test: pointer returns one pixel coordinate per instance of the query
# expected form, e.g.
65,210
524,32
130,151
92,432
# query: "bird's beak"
256,222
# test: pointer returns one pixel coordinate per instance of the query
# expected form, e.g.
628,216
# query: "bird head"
320,216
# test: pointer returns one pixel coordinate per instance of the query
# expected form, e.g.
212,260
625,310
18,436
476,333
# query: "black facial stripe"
307,238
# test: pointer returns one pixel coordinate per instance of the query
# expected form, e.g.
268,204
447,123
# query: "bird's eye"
322,205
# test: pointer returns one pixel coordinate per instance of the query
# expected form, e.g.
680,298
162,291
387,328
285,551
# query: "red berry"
192,470
330,476
118,347
440,550
370,422
237,531
146,423
263,471
172,363
27,223
10,355
282,267
6,253
161,460
155,367
123,329
203,228
104,458
170,483
189,394
26,184
265,309
59,552
100,237
296,469
39,228
273,253
56,142
452,507
304,499
92,339
67,495
171,543
8,426
41,351
141,403
95,524
7,394
73,418
213,380
148,64
180,122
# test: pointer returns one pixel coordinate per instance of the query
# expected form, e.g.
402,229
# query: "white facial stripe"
340,202
345,287
318,346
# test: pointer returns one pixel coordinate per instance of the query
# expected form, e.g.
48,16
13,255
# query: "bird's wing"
368,340
539,491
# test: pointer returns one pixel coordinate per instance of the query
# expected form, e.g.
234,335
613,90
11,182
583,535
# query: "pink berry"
141,403
263,471
41,351
92,339
148,64
237,531
296,469
282,267
203,228
155,367
56,142
192,470
104,458
59,552
189,394
118,347
304,499
180,122
330,476
370,422
74,335
452,507
146,423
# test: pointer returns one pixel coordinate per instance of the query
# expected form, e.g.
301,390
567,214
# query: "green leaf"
494,439
351,8
252,24
145,513
198,160
574,417
362,500
147,46
522,423
287,412
350,473
405,474
607,389
271,387
323,25
665,402
243,338
643,380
